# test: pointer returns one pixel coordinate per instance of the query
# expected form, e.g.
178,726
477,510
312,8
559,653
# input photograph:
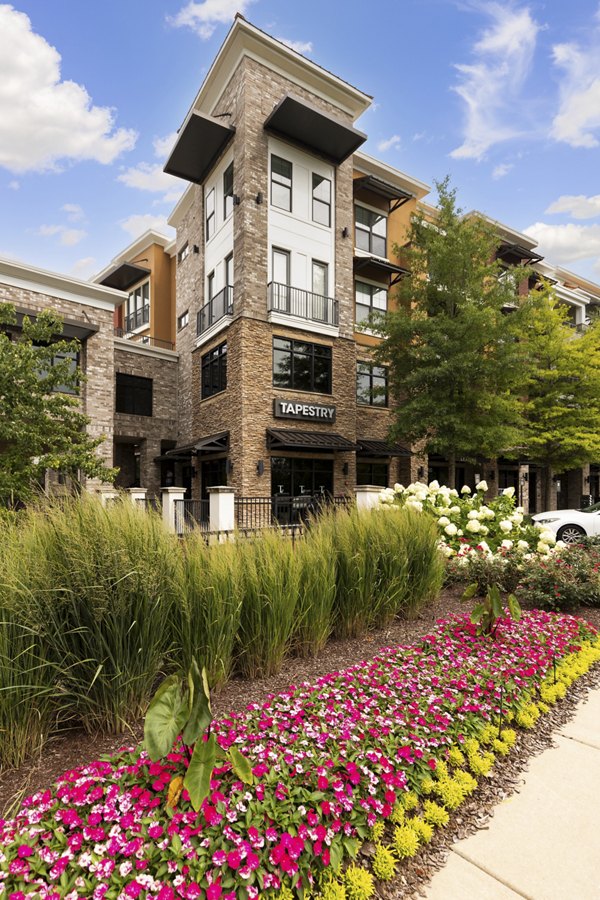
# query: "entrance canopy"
319,441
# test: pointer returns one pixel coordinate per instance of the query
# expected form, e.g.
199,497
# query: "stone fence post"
367,496
137,494
221,514
169,496
107,494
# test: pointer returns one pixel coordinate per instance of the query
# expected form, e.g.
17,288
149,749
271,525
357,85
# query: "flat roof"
65,287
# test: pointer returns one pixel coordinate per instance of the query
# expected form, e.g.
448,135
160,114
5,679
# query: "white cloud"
578,117
74,212
491,86
150,176
68,237
578,206
298,46
395,141
84,268
139,223
164,145
566,243
203,18
44,120
501,170
14,185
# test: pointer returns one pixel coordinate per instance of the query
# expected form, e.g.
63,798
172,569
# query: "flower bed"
382,751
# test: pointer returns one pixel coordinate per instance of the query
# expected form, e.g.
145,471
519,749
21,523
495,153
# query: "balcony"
290,301
219,306
137,319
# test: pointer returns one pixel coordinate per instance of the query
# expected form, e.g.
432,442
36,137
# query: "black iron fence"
220,305
191,515
304,304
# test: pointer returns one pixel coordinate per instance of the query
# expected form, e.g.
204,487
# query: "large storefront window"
292,476
368,472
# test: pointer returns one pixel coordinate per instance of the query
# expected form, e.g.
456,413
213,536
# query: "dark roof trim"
199,144
122,277
307,440
380,448
518,252
376,262
71,328
216,443
310,127
383,189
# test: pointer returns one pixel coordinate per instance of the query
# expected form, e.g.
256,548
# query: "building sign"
295,409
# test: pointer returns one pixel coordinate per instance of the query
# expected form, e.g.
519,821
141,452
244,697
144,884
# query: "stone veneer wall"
97,392
149,431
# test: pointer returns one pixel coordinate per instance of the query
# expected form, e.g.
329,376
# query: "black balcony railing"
144,339
304,304
220,305
138,318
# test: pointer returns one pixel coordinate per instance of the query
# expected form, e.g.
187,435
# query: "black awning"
518,253
215,443
384,189
380,448
310,127
81,331
307,440
199,143
124,276
383,265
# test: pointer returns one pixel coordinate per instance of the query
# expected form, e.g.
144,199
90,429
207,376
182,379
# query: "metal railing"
283,510
220,305
138,318
303,304
145,339
191,515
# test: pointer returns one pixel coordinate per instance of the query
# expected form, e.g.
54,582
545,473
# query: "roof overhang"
384,266
385,189
509,251
368,165
310,127
200,142
71,329
381,448
215,443
124,276
317,441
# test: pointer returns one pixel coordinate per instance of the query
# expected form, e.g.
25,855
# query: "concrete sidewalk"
544,842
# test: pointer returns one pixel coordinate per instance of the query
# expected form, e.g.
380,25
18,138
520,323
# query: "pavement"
544,842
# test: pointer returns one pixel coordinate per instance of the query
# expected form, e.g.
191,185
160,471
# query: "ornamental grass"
333,764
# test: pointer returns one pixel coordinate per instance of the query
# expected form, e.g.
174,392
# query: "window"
183,253
210,214
73,358
214,371
138,307
371,385
371,231
183,320
370,299
320,278
321,200
295,476
210,288
281,183
228,191
371,473
134,395
229,270
281,266
301,366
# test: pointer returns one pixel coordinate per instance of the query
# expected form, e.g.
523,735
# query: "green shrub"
503,568
317,588
571,577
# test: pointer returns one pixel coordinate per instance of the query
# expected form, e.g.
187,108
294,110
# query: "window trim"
372,286
322,202
183,253
134,382
325,266
273,179
180,323
227,194
361,227
372,396
216,357
210,219
328,354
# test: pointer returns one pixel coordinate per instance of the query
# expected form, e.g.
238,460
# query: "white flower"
486,513
473,525
560,545
522,545
542,547
508,545
460,532
520,509
414,503
447,551
398,488
508,492
505,525
482,486
483,545
451,529
474,514
434,485
465,489
455,510
453,493
547,536
484,529
443,520
517,518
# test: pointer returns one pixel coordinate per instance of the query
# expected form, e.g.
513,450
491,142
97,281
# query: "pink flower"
234,859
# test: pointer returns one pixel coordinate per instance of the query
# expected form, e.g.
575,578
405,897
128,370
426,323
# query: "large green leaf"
514,607
200,769
200,714
470,592
241,766
477,614
495,600
166,716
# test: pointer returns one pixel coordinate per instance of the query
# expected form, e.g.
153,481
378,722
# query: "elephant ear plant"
181,706
488,611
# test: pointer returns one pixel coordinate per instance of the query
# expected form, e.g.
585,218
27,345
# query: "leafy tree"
454,359
41,425
561,402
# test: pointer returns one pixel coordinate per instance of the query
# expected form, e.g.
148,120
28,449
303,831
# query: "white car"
569,525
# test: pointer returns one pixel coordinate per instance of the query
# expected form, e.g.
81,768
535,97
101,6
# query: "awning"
199,143
216,443
307,440
81,331
380,448
383,265
124,276
518,253
310,127
384,189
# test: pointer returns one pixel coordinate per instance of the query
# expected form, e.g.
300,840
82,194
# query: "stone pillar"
137,496
367,496
169,496
107,494
221,509
523,498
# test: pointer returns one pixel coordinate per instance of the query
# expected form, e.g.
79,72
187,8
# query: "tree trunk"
452,470
547,487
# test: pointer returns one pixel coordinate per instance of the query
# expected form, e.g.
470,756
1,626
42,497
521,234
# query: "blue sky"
504,97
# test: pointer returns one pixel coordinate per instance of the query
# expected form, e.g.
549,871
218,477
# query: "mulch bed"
74,748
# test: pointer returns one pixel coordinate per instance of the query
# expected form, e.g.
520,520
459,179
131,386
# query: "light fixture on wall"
345,231
229,467
525,476
260,467
345,468
259,198
586,479
236,200
196,248
421,472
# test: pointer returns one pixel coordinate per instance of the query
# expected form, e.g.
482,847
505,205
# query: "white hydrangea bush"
470,525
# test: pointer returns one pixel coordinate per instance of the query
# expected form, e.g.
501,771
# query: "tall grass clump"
269,586
417,539
317,588
208,603
99,583
356,571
